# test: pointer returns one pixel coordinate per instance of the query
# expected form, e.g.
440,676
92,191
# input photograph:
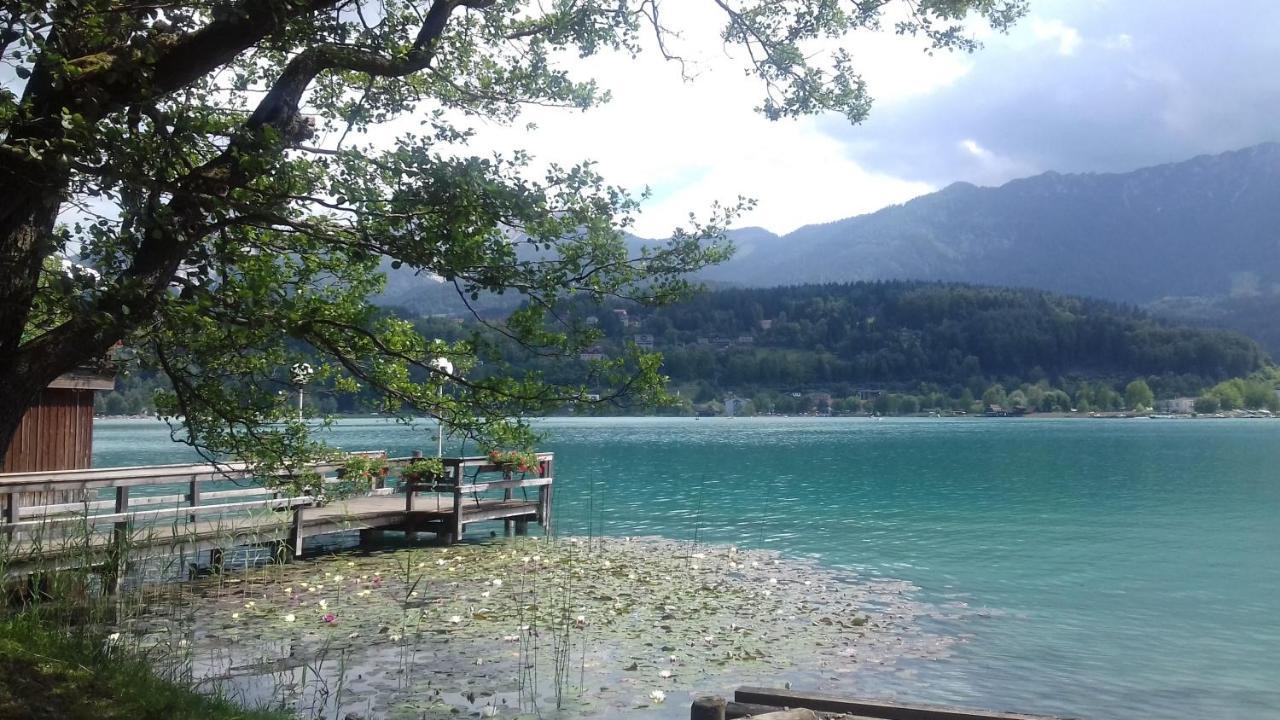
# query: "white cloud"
1067,38
974,149
696,142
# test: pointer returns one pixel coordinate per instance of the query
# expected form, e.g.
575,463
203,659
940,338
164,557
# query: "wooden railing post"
506,495
120,540
13,507
193,497
457,503
544,496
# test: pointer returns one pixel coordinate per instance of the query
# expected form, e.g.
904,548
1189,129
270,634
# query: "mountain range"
1207,227
1195,240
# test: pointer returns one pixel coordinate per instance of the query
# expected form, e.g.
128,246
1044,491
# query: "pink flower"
330,618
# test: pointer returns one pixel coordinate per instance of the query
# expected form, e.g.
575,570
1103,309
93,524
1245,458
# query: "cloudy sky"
1078,85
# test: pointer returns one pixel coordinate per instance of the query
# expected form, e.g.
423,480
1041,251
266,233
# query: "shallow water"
1103,569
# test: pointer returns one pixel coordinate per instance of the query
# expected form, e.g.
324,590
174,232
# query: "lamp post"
444,367
301,374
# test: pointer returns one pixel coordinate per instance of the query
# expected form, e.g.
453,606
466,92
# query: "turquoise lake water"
1096,568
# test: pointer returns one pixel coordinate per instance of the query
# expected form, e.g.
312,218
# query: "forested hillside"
898,335
942,344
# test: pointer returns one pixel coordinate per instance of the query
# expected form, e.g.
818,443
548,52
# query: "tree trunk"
15,400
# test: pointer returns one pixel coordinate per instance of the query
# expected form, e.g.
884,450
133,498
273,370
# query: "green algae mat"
528,628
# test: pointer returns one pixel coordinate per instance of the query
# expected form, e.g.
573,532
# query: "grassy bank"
46,672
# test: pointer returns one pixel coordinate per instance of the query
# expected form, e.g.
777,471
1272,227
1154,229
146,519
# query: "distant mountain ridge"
1209,226
1196,241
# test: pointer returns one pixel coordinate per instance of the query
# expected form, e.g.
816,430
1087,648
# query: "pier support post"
506,496
708,708
522,526
118,562
458,526
370,536
295,533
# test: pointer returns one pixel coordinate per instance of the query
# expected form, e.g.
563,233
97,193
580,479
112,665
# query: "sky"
1076,86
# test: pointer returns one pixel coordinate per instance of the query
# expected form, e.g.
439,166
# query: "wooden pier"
134,513
777,704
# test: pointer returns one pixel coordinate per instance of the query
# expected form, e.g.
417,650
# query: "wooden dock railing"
469,476
204,506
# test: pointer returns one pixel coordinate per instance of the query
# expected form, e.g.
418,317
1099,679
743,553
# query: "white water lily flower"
664,674
413,593
324,604
440,562
511,638
484,594
394,638
337,578
288,591
672,658
455,619
290,617
496,582
767,593
657,696
235,616
113,637
773,581
524,559
808,582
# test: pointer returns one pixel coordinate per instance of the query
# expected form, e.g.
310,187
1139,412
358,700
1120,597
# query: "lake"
1098,568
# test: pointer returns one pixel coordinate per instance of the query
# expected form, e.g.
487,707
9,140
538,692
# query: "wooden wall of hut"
57,433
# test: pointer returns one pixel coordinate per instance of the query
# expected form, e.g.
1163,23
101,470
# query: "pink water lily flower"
329,618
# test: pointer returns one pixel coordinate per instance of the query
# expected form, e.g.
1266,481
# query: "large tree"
209,161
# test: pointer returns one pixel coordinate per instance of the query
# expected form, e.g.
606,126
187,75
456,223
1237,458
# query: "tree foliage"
215,163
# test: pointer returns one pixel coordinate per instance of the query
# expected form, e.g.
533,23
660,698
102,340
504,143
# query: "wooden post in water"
707,708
